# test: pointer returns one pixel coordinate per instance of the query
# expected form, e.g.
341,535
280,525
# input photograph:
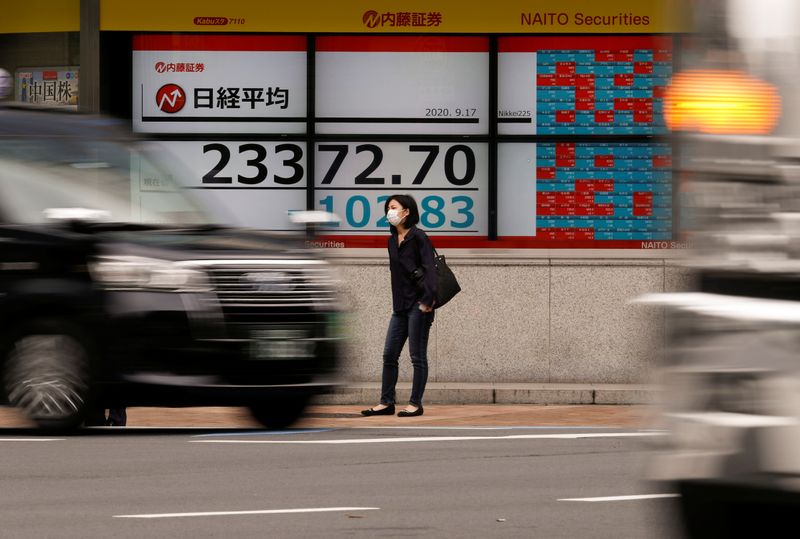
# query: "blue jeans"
415,326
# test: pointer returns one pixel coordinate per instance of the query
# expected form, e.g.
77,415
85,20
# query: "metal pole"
89,86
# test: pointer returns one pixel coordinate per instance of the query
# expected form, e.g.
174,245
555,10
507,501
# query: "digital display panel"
390,113
402,85
219,84
603,85
581,191
248,183
449,181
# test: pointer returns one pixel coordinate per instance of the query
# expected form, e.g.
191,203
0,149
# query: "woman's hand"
425,308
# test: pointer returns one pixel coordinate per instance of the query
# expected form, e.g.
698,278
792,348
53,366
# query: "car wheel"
46,374
279,414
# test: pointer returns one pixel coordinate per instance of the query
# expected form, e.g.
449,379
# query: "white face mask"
393,216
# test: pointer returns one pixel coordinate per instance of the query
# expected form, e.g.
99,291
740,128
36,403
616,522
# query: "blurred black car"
109,301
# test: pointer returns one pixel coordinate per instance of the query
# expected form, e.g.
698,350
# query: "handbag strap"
419,261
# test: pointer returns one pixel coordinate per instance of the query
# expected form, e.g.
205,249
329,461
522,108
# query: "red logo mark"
170,98
371,19
161,67
211,21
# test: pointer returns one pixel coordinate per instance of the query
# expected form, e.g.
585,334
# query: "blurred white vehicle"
730,373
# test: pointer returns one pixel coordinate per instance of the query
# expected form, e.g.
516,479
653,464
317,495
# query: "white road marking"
501,427
620,498
259,512
32,439
440,438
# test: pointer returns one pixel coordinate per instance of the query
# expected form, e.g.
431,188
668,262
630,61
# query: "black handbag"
447,285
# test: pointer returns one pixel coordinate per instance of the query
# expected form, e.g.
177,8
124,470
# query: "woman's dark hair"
408,203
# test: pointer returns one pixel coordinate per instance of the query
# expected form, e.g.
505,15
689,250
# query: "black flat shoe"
389,410
406,413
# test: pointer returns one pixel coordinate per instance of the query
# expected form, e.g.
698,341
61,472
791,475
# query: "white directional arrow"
176,94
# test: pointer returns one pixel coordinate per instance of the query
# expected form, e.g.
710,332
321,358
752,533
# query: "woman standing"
410,254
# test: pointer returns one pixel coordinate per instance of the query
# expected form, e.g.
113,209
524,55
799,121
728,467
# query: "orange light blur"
721,102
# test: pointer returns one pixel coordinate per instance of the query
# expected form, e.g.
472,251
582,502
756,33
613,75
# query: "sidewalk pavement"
487,415
446,404
501,393
346,416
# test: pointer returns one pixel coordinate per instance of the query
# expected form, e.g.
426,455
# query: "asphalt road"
345,482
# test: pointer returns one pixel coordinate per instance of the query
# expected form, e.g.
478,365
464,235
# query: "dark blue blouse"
416,251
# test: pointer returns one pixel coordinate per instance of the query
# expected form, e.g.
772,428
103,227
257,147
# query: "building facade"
534,142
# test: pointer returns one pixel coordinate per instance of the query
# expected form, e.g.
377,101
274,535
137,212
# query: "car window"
43,178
